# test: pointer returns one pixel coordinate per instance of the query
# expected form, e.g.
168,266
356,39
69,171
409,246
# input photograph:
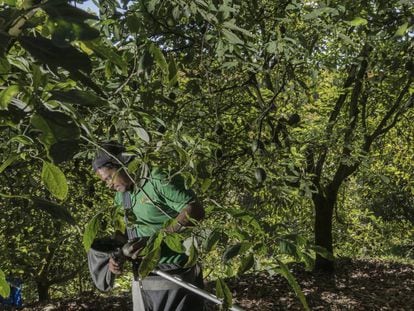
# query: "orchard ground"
356,285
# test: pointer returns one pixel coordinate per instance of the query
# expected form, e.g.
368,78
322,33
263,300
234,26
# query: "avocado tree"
275,103
373,92
334,78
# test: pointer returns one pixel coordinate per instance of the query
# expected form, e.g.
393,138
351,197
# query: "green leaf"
152,4
23,139
172,73
134,165
181,152
249,221
10,2
63,150
401,30
231,36
319,11
149,262
4,286
346,39
143,134
235,27
158,238
287,247
78,97
315,13
45,125
108,53
55,210
59,134
8,162
223,292
246,264
91,230
6,96
174,242
189,179
153,243
192,258
159,58
47,52
212,240
231,252
133,23
206,184
54,180
284,271
202,4
4,42
307,258
145,63
19,62
4,64
37,76
357,21
323,252
62,10
64,32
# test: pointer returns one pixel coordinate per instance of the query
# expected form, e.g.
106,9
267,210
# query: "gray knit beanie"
113,154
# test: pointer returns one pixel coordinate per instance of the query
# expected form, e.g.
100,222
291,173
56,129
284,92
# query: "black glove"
134,247
118,256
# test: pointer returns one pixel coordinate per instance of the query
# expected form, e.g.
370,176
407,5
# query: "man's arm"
192,211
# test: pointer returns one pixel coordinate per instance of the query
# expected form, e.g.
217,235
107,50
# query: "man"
153,200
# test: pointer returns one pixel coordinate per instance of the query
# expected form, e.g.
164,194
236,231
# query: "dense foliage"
289,119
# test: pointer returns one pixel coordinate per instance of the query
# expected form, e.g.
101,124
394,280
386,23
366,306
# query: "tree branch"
132,73
364,100
49,258
382,128
345,170
271,104
332,120
353,105
63,278
259,97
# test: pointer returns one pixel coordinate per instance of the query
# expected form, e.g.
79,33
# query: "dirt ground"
356,285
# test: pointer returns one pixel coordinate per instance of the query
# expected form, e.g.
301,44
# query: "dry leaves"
356,285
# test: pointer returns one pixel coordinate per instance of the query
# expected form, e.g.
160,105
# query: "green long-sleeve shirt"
158,198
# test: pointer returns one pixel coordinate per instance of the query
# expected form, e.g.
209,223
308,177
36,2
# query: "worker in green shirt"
153,200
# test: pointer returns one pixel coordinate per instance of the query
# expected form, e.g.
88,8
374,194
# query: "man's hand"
193,210
115,266
133,248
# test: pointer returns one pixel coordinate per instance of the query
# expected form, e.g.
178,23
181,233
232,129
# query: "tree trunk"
42,291
323,231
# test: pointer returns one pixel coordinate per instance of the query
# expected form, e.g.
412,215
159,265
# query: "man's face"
115,179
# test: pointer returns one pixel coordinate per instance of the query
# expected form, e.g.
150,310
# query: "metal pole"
194,289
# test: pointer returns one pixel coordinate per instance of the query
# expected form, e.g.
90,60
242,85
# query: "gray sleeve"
98,263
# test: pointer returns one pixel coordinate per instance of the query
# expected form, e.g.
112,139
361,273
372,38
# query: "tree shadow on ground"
356,285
